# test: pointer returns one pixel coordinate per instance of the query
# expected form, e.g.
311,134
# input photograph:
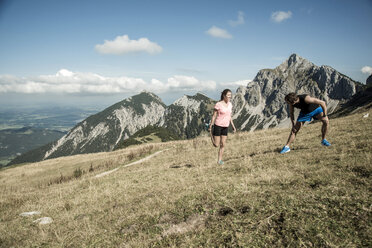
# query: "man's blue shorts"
307,117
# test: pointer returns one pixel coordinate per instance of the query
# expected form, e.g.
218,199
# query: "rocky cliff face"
188,115
360,102
261,103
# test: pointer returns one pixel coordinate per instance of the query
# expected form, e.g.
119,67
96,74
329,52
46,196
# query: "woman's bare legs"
222,147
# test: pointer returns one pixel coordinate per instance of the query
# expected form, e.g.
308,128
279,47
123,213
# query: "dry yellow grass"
311,197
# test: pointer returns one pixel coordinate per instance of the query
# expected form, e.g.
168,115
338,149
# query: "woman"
220,121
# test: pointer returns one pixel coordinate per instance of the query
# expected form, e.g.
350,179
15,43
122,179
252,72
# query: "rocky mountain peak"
369,80
191,101
188,102
200,97
145,97
181,101
295,63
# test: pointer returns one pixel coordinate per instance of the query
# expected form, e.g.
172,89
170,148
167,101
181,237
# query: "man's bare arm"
309,99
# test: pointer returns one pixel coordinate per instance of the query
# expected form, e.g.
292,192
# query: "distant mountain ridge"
258,105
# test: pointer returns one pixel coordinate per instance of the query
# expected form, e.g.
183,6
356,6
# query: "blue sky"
99,52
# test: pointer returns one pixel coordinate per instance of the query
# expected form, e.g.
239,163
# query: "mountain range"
261,103
258,105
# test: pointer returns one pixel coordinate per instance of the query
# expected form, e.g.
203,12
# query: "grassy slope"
310,197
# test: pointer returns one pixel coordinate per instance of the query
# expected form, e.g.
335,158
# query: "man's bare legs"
325,124
294,132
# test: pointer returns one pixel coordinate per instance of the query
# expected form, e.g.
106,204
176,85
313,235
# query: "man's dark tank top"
305,107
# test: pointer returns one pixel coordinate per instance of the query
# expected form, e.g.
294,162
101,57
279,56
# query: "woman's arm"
213,119
233,126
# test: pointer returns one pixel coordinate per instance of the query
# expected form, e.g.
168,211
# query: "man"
311,108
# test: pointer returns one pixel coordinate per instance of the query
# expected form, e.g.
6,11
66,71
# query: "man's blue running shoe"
285,149
325,143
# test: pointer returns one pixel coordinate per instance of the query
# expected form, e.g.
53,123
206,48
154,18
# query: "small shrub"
78,173
131,156
58,180
109,164
67,206
91,169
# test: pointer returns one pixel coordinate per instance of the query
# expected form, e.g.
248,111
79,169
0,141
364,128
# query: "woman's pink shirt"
223,114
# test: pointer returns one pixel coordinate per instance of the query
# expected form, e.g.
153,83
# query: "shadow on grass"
300,148
180,166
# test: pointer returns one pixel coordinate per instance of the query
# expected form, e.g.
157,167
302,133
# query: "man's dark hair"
291,97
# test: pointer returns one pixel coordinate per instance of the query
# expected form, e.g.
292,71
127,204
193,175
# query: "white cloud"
239,21
236,83
367,70
218,33
185,83
123,45
280,16
68,82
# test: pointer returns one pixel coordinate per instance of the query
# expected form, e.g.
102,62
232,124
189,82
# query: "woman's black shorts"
219,131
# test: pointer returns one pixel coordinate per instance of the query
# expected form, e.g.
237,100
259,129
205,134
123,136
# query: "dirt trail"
130,164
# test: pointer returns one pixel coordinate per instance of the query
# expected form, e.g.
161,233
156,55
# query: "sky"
96,53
